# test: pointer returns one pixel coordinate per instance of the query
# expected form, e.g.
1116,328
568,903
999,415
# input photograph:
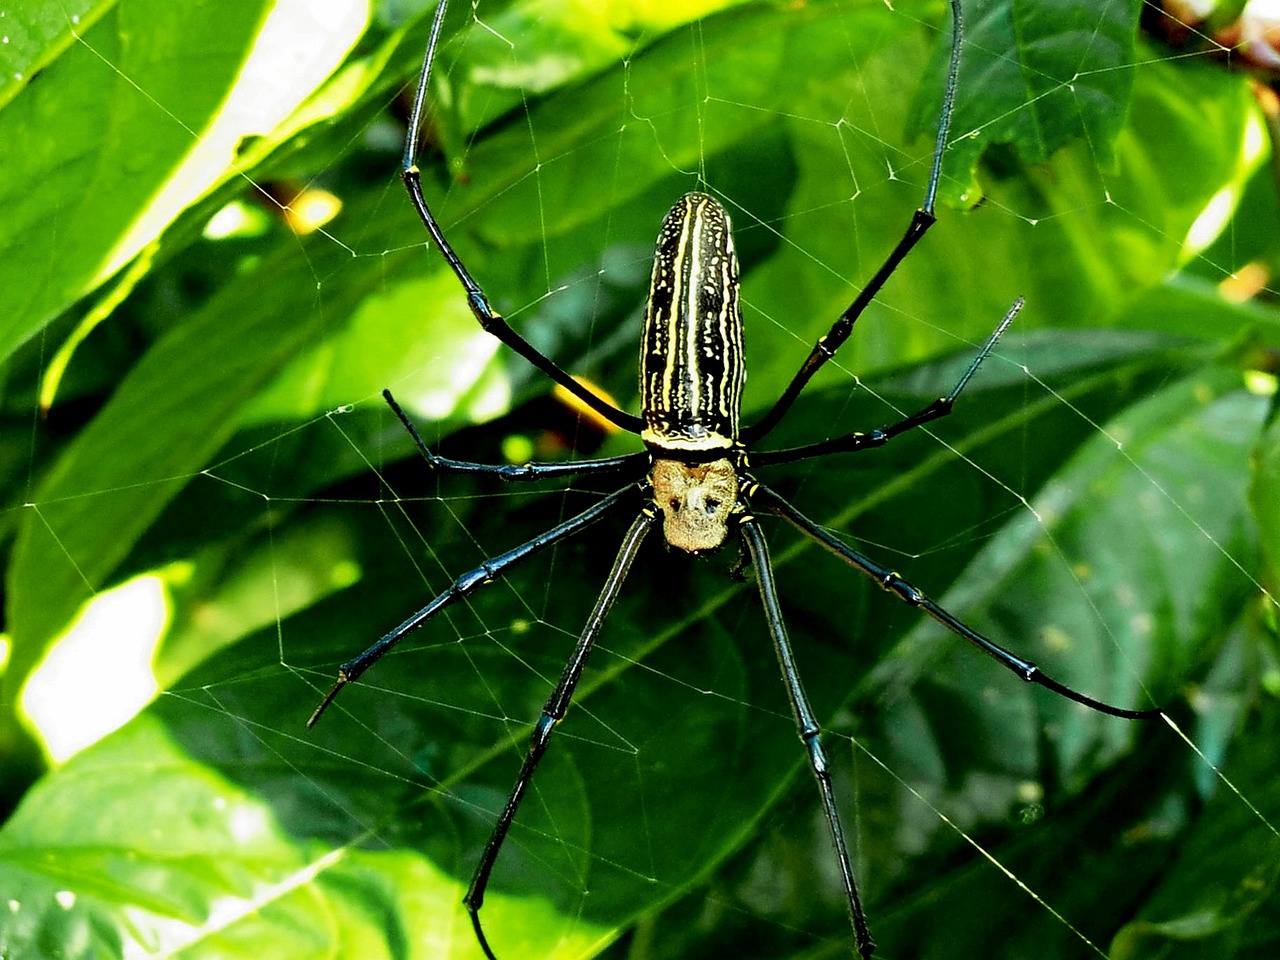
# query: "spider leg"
922,220
514,472
807,726
877,438
491,322
552,713
892,582
486,573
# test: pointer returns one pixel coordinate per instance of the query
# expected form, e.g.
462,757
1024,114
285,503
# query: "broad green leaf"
224,427
36,34
207,872
1265,493
173,413
562,43
1037,75
152,106
426,742
1205,903
72,200
1007,763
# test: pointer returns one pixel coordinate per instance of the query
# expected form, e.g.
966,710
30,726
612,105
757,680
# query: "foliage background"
1103,500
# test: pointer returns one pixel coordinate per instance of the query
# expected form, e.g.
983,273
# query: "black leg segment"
512,472
491,322
806,726
853,442
552,714
923,219
486,573
893,583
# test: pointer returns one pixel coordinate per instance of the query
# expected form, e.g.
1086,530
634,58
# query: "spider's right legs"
552,714
853,442
492,322
888,579
923,219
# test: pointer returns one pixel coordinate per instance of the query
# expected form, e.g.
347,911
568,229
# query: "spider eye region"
696,501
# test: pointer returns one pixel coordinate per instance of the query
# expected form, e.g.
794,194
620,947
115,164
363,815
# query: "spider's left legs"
807,726
923,219
936,410
490,321
552,714
633,462
467,584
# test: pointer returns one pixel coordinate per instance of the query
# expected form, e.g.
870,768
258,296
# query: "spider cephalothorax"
691,376
696,501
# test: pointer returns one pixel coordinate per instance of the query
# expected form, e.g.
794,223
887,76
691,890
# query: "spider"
693,474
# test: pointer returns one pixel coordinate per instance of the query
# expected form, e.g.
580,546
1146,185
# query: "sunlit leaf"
1102,499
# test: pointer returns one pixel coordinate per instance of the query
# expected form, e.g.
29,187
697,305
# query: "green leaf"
37,34
1204,901
77,203
1085,505
209,872
1040,75
1264,494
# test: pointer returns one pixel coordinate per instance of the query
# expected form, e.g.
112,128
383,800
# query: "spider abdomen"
691,365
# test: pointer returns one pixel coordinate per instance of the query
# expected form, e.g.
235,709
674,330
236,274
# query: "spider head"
696,501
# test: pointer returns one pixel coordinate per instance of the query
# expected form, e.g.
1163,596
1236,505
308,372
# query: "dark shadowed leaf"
1102,501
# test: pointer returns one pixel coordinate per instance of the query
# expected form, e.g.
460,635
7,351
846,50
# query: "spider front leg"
921,221
490,321
806,726
552,714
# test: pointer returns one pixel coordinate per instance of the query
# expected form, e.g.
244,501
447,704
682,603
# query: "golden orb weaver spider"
693,472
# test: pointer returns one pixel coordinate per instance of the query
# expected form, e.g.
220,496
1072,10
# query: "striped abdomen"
691,368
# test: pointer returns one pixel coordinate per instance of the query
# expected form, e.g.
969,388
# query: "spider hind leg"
891,581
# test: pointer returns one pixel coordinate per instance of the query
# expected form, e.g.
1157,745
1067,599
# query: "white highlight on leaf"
300,45
98,676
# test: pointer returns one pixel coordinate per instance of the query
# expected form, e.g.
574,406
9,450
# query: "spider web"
1094,503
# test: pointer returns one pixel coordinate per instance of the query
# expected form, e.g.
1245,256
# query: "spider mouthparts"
328,699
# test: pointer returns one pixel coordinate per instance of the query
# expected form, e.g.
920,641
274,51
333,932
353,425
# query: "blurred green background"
193,444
